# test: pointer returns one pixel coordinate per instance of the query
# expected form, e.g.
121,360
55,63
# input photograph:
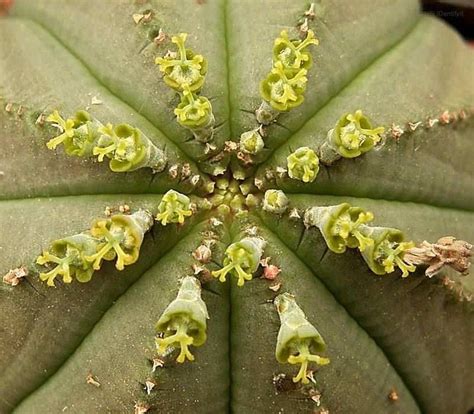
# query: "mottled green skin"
381,332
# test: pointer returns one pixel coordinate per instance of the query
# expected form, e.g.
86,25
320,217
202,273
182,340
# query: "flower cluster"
116,238
298,340
352,136
174,208
345,226
303,165
284,87
185,72
126,147
183,322
242,260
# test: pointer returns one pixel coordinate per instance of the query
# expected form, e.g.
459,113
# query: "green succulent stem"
340,226
174,207
183,323
352,136
242,260
120,237
298,340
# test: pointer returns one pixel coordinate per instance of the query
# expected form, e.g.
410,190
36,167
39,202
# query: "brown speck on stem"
185,171
432,122
4,6
315,395
209,148
40,120
412,126
160,38
445,118
173,171
15,276
125,208
90,379
149,385
396,131
20,111
245,158
275,287
141,408
270,272
157,363
393,395
294,214
96,101
202,254
9,107
230,146
282,383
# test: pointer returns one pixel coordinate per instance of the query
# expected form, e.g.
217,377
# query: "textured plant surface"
307,307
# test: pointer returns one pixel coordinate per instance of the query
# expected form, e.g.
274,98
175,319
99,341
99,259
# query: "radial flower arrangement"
230,206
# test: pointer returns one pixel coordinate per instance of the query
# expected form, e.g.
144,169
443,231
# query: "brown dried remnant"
270,272
90,379
141,408
157,363
203,254
393,395
446,251
14,276
283,383
149,385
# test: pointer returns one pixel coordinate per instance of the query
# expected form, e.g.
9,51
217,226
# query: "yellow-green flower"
184,68
298,340
242,260
183,323
174,208
303,165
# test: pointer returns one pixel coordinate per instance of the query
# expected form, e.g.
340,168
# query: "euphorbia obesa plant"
246,206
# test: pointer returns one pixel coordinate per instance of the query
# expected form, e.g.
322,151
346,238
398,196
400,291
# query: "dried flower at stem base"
447,251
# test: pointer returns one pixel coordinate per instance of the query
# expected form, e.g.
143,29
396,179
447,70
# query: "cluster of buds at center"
284,87
344,226
118,238
185,72
126,147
